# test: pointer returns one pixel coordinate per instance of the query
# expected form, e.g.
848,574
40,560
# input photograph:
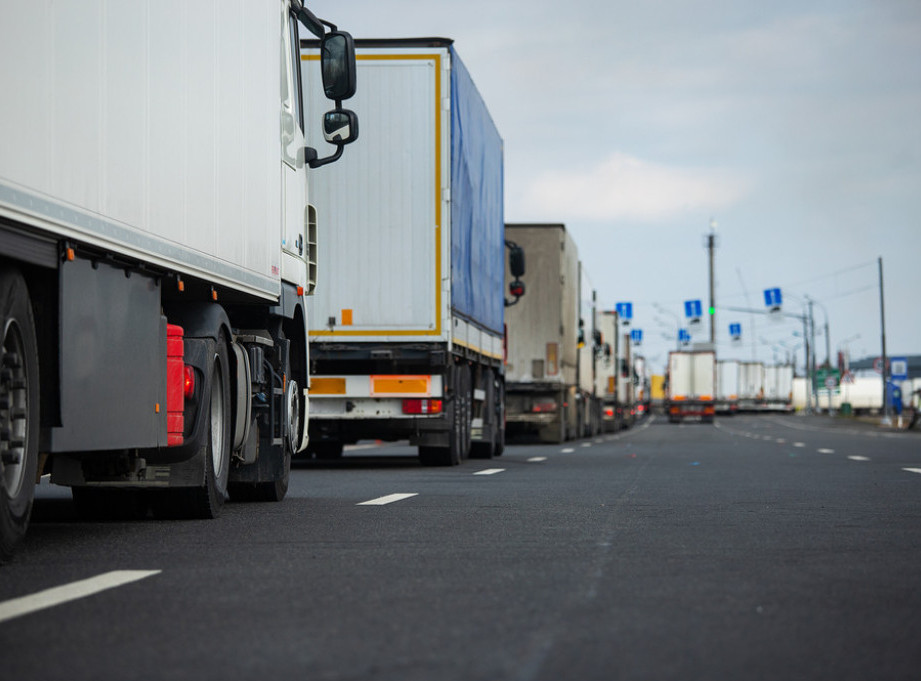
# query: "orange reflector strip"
300,291
346,317
706,398
400,385
71,254
679,397
157,408
327,386
181,285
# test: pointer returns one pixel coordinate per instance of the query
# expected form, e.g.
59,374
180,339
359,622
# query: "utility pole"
882,322
711,247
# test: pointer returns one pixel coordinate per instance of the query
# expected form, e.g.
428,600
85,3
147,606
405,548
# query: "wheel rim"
217,418
14,410
294,415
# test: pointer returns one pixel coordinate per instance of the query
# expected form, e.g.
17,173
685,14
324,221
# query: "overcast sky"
794,125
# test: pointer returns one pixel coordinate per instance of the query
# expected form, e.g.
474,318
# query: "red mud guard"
175,379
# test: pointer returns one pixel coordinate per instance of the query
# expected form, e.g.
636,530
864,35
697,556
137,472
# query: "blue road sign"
684,336
625,311
693,309
898,368
636,335
735,330
772,298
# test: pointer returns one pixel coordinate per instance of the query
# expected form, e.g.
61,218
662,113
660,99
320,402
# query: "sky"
792,129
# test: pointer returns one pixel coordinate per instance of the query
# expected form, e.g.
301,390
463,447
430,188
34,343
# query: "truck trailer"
608,370
407,329
751,386
727,386
778,387
543,336
589,341
691,385
156,248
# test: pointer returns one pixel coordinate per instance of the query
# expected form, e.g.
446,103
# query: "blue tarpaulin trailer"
407,337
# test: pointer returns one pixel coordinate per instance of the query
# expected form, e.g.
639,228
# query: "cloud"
626,188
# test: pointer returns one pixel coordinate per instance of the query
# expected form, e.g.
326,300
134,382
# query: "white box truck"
543,336
778,387
691,385
156,246
727,386
408,318
589,341
608,370
751,386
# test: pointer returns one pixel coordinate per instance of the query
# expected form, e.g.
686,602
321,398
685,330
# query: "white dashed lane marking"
70,592
859,458
799,444
489,471
568,450
389,499
912,470
537,459
826,451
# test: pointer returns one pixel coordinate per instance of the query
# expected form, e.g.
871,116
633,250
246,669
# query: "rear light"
426,406
543,408
188,382
609,411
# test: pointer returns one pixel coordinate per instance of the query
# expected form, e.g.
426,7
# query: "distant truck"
609,368
407,327
641,386
589,340
543,336
751,386
727,386
626,388
778,387
156,251
691,385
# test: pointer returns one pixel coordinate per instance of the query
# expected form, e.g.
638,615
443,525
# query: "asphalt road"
761,547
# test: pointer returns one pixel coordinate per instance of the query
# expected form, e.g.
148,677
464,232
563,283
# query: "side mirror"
516,288
516,261
607,350
340,127
337,63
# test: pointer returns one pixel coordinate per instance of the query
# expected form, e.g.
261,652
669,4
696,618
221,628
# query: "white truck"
778,387
407,323
543,336
751,386
156,248
727,386
588,402
691,385
608,371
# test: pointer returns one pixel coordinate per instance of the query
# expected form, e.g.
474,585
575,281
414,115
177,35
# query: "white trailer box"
407,326
543,331
154,214
691,385
778,387
727,386
751,386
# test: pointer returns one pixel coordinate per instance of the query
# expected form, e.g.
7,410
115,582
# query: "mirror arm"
310,157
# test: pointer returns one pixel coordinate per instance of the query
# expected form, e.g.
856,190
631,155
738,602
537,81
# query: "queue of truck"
159,353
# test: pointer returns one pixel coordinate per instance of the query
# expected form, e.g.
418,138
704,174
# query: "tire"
459,446
206,501
19,411
486,450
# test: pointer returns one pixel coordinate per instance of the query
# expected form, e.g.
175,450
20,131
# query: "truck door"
294,170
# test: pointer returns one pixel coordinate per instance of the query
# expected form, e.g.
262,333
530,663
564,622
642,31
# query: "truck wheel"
19,411
487,449
459,446
207,500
